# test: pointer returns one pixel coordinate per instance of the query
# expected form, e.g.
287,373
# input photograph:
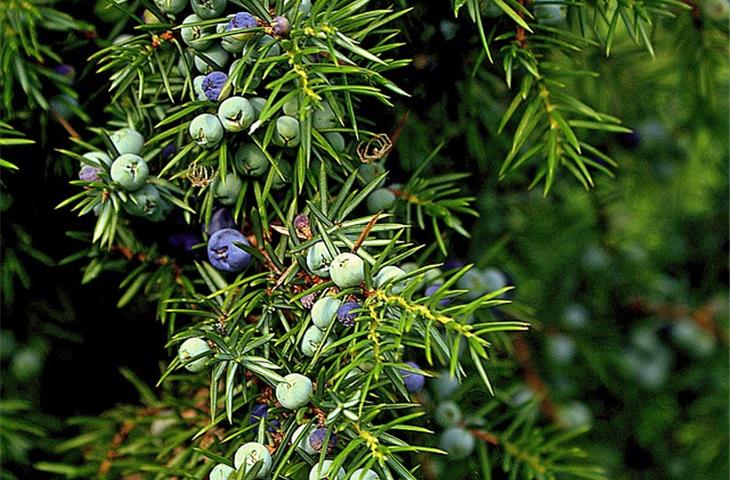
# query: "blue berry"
317,438
251,454
220,219
294,391
130,171
192,348
242,21
346,314
224,254
214,86
168,152
347,270
445,384
259,411
184,241
89,173
457,442
431,289
280,26
300,438
414,382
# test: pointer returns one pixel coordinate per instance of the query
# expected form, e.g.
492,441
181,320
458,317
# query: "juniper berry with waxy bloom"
316,440
346,314
242,21
214,86
414,382
224,254
250,454
130,171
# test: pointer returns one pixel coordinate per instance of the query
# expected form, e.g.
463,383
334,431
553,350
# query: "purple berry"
431,289
65,70
184,241
223,252
220,219
213,84
453,263
301,221
89,173
308,300
414,381
316,440
346,314
242,21
261,410
168,152
280,26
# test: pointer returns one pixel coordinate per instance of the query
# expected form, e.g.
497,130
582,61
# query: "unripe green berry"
127,140
258,104
226,190
324,472
198,88
367,172
457,442
364,474
448,414
312,340
336,141
291,107
250,454
171,6
388,273
251,160
145,202
229,43
324,311
324,117
287,132
380,199
216,55
347,270
207,9
191,348
300,438
283,176
236,114
206,130
294,391
130,171
319,259
192,35
221,472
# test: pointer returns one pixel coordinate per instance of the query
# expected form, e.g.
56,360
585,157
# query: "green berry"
192,35
324,117
198,88
221,472
364,474
99,158
227,190
230,43
258,104
127,140
291,107
336,141
287,132
283,176
236,114
324,311
251,160
171,6
207,9
445,384
457,442
388,273
130,171
191,348
250,454
26,364
347,270
367,172
448,414
312,340
145,202
206,130
323,472
381,199
294,391
319,259
215,55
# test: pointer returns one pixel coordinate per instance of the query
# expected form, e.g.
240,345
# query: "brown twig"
532,377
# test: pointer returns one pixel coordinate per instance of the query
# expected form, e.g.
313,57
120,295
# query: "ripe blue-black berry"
224,254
